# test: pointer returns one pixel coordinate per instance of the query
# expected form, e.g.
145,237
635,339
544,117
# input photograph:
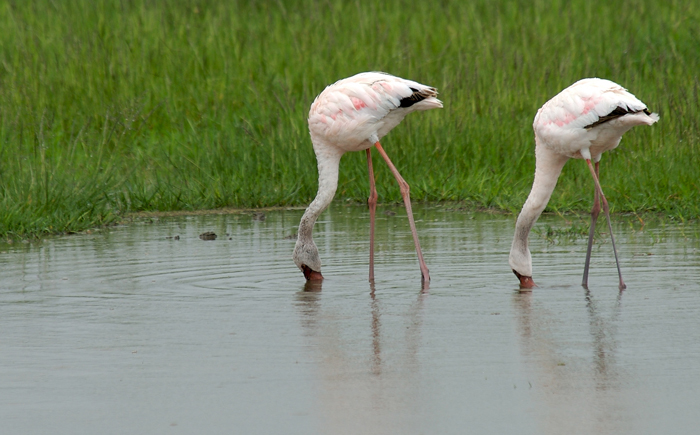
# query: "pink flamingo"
353,114
583,121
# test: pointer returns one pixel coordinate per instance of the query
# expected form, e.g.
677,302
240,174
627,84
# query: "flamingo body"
582,122
570,123
353,114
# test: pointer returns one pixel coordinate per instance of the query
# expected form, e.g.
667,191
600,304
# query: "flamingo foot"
526,282
310,274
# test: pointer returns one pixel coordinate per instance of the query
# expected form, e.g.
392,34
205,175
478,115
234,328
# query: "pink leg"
606,209
595,211
372,202
425,275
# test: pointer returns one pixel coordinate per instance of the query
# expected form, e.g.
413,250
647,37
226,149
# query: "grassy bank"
108,107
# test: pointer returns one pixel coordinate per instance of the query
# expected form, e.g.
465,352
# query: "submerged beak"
526,282
310,274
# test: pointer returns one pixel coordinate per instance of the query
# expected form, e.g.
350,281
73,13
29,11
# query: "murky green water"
130,331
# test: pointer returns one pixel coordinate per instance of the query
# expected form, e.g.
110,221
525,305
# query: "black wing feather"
617,113
417,96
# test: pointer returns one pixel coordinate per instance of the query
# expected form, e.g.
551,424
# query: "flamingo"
583,121
353,114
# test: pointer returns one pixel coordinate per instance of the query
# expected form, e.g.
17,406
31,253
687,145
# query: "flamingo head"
526,282
310,274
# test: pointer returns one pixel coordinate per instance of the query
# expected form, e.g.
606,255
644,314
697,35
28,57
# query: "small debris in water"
390,213
259,216
291,237
209,235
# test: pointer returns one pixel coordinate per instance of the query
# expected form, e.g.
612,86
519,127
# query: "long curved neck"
328,164
547,169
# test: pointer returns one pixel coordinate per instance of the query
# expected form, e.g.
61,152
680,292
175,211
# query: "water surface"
132,330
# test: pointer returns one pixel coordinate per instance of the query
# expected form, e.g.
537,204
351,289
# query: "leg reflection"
376,365
364,358
604,344
573,373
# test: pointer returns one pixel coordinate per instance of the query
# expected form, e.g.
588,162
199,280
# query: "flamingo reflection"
368,376
574,386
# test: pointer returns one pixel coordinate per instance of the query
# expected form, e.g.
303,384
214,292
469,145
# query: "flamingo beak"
526,282
310,274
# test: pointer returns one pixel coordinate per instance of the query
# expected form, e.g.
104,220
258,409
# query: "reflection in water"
124,320
313,286
376,334
580,389
604,343
366,392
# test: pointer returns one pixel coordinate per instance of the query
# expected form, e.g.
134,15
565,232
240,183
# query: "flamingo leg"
595,211
606,209
425,275
372,203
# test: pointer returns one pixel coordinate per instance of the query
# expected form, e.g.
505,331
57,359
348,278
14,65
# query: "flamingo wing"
563,121
352,111
588,102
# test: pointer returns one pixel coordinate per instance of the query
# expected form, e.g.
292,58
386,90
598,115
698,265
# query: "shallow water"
129,330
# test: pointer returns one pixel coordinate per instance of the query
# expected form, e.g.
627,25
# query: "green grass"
109,107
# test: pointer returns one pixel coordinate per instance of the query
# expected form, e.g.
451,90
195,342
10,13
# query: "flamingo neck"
547,169
328,167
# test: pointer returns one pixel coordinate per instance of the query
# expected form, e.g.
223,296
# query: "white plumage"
583,121
353,114
561,123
